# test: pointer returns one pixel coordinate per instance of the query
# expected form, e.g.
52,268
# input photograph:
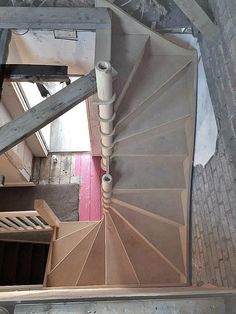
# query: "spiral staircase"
143,238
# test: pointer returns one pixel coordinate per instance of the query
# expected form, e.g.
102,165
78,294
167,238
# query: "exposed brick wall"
214,188
214,222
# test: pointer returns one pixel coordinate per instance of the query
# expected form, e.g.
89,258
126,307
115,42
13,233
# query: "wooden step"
173,104
68,271
119,269
158,233
149,266
123,23
155,142
140,172
155,73
63,246
66,228
164,203
93,272
127,61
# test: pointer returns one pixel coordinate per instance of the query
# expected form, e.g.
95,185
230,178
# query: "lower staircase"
22,263
77,255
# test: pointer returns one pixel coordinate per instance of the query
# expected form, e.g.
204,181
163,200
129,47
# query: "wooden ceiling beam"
5,37
36,73
45,112
54,18
198,17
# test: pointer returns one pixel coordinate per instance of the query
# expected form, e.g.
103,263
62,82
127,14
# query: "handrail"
42,218
22,221
46,213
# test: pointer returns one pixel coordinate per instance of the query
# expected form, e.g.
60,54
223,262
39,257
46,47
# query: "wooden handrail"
23,213
41,218
46,213
27,220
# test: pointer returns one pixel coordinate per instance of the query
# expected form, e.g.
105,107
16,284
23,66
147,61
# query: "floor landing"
70,168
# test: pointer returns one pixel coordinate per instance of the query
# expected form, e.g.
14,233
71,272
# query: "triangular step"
93,272
123,23
152,75
150,267
127,60
140,172
154,142
173,104
66,228
66,244
165,203
119,269
68,270
158,233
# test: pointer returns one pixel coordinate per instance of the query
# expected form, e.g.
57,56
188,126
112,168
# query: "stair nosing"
68,253
74,232
176,269
91,246
123,246
145,212
151,129
168,81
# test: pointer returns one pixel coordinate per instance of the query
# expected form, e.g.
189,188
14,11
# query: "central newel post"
106,116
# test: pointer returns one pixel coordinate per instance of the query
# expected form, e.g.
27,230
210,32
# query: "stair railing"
106,116
42,218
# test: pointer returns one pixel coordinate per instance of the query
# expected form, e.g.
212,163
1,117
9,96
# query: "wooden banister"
46,213
30,213
22,221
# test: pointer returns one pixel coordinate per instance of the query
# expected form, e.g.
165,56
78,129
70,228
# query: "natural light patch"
33,97
68,133
206,127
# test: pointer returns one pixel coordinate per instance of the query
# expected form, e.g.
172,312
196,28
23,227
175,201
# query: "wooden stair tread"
66,228
68,270
142,87
119,269
173,104
123,23
149,266
165,203
146,173
158,233
93,272
133,47
154,142
63,246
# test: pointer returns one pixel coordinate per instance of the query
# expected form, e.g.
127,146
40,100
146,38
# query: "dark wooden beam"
45,112
36,73
5,37
54,18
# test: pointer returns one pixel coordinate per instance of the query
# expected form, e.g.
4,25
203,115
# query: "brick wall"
214,191
214,222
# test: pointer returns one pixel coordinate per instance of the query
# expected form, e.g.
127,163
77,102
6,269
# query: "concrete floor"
214,305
